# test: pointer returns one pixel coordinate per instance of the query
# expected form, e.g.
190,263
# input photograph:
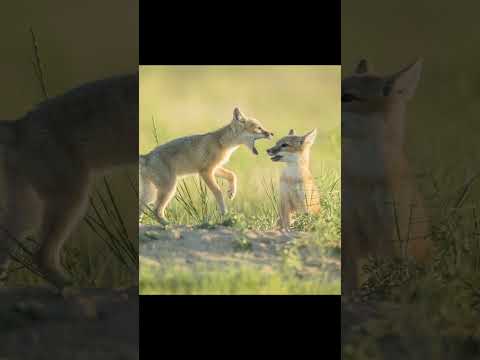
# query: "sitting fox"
203,154
298,192
382,211
51,155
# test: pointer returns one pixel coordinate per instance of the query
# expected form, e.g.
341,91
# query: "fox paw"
231,193
162,221
57,278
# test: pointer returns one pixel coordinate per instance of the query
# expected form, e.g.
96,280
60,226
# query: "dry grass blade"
271,194
115,235
155,133
23,255
37,65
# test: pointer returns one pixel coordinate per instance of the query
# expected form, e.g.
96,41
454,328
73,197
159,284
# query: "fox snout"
267,134
271,151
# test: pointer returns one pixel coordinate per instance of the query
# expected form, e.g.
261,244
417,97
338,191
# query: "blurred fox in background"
382,211
51,155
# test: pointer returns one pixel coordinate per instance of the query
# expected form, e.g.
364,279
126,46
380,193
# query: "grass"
231,281
323,239
281,98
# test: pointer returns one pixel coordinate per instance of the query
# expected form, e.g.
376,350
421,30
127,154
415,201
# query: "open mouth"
252,146
276,158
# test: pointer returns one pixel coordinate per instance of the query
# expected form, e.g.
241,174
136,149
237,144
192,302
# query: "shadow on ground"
37,323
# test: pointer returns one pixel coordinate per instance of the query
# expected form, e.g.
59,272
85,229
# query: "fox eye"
347,97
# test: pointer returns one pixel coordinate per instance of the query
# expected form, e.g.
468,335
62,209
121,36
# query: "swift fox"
50,157
382,211
197,154
298,192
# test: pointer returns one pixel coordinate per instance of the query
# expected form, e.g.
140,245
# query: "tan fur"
203,154
51,155
298,192
382,211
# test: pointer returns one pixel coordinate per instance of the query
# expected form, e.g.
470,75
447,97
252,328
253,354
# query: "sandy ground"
38,323
189,247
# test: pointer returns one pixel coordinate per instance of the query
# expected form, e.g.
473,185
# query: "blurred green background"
443,117
78,43
186,100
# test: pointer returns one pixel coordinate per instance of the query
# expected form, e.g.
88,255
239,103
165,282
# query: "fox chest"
225,156
292,186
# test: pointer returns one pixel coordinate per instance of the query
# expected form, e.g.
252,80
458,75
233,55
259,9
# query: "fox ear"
362,67
291,132
238,115
405,81
309,138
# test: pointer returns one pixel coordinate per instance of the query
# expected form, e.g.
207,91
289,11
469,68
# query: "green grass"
231,281
181,101
323,239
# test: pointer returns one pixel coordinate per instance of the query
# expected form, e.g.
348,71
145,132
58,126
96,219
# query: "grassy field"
180,101
441,304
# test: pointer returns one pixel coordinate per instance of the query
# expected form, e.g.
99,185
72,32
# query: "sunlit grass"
227,281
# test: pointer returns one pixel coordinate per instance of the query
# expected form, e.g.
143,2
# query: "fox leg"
147,195
231,178
285,213
165,193
209,179
64,207
20,219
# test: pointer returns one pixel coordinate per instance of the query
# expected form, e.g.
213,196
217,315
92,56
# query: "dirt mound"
38,323
189,246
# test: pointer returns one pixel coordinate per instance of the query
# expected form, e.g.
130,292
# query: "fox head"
248,130
292,148
373,106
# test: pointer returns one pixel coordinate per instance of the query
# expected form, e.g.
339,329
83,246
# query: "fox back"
197,153
96,123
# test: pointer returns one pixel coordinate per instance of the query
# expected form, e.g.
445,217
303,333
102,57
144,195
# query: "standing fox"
51,155
298,192
382,211
197,154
